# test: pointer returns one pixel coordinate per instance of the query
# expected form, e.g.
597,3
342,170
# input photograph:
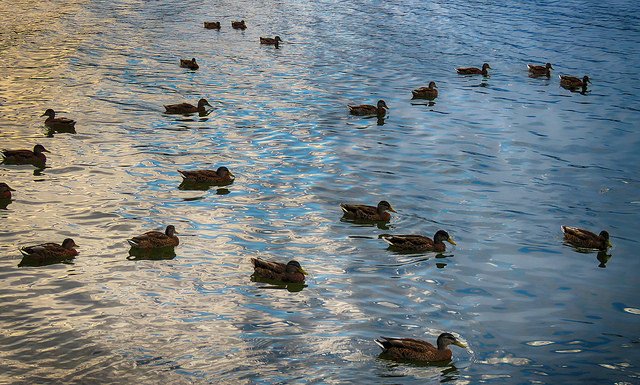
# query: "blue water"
499,162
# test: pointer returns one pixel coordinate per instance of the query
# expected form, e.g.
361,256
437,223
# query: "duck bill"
609,244
10,189
231,175
460,344
450,240
392,210
303,271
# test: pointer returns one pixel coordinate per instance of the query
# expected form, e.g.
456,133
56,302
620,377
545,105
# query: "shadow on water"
49,132
4,203
164,253
382,225
39,261
192,186
278,285
602,256
448,373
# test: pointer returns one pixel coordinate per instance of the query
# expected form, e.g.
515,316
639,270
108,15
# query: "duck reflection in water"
603,258
159,254
278,285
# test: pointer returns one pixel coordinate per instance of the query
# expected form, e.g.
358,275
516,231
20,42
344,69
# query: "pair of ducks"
36,156
404,242
234,24
569,82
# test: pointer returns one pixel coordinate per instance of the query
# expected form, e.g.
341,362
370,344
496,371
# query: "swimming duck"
212,24
410,349
220,176
155,239
52,251
291,272
366,109
270,40
430,92
239,25
573,83
191,64
368,213
35,157
578,237
536,70
57,123
474,70
187,108
418,242
5,191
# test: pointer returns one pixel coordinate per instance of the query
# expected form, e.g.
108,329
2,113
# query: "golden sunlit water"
499,162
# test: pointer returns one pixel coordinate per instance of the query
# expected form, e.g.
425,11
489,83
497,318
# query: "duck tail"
344,209
564,229
132,243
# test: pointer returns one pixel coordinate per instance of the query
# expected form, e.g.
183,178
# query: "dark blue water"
499,162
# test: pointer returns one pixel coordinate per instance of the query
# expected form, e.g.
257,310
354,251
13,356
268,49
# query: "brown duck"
418,242
239,25
212,24
474,70
155,239
5,191
380,109
271,40
429,93
51,251
291,272
536,70
582,238
189,63
409,349
59,122
187,108
368,213
220,176
573,83
35,157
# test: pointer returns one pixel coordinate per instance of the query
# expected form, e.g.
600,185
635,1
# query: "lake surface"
499,162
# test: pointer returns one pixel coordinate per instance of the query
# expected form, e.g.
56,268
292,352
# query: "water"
500,163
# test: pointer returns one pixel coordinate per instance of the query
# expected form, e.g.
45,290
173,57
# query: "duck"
51,251
418,242
582,238
155,239
292,272
59,122
239,25
379,109
430,92
410,349
368,213
5,191
187,108
220,176
573,83
537,70
212,24
191,64
271,40
474,70
35,157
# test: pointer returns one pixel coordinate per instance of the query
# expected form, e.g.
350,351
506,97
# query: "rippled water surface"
499,162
